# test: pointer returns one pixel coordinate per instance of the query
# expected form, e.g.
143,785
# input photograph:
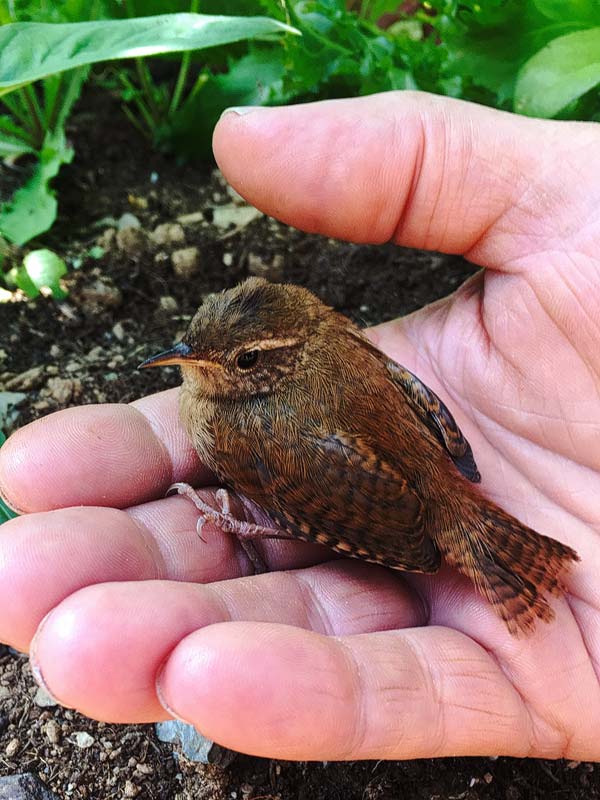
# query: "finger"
101,649
103,455
426,171
46,557
282,692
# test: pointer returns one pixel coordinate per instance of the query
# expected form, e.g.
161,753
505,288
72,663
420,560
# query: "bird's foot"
243,530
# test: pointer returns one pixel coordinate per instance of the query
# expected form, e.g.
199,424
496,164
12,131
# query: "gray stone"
24,786
194,746
128,220
43,699
83,739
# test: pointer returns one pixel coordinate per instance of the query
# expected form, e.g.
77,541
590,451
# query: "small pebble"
26,381
128,220
12,748
43,699
63,390
132,241
168,304
83,739
131,790
186,262
118,331
52,730
168,233
136,201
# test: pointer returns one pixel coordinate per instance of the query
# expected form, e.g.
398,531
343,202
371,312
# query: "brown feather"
342,446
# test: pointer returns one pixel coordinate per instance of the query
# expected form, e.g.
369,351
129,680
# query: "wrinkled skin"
122,609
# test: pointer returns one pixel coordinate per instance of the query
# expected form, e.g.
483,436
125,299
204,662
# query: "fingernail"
36,670
240,110
163,702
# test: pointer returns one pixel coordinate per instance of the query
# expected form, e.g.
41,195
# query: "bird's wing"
343,494
438,419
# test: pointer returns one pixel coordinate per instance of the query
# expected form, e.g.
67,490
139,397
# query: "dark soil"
126,305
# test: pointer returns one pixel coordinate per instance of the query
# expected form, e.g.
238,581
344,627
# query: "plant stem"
143,110
31,101
183,69
52,107
17,132
15,104
148,89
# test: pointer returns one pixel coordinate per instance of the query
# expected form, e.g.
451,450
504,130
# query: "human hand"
125,613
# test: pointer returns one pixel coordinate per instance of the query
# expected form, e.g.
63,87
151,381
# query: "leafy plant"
40,270
6,513
537,57
35,125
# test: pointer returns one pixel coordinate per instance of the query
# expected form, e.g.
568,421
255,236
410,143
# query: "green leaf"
559,73
60,93
255,79
44,268
32,209
32,50
6,513
569,10
14,140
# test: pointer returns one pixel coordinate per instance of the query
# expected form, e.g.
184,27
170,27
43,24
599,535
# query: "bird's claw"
244,531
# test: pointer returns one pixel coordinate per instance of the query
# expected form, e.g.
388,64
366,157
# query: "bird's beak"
176,355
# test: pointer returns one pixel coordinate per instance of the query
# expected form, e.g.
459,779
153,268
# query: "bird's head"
246,340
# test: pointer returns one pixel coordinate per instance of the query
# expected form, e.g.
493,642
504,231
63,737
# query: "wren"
326,439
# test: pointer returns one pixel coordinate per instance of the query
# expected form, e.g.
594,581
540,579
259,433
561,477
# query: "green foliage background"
535,57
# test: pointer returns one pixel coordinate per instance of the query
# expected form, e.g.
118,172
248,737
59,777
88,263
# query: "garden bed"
126,303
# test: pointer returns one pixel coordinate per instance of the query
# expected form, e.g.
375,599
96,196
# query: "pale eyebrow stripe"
270,344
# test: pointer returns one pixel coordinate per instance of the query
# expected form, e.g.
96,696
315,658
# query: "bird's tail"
511,565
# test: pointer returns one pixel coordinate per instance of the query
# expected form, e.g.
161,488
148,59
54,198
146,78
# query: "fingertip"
13,461
259,688
47,556
89,455
325,154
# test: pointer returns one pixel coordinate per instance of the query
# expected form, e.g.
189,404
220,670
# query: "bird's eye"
247,359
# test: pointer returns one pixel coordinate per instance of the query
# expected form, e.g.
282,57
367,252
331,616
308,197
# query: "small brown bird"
326,439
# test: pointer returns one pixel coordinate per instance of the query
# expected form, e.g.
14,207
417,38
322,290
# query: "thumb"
423,170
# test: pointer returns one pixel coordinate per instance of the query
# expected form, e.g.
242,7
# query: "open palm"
128,617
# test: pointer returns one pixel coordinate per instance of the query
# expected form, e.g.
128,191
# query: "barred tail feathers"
511,565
